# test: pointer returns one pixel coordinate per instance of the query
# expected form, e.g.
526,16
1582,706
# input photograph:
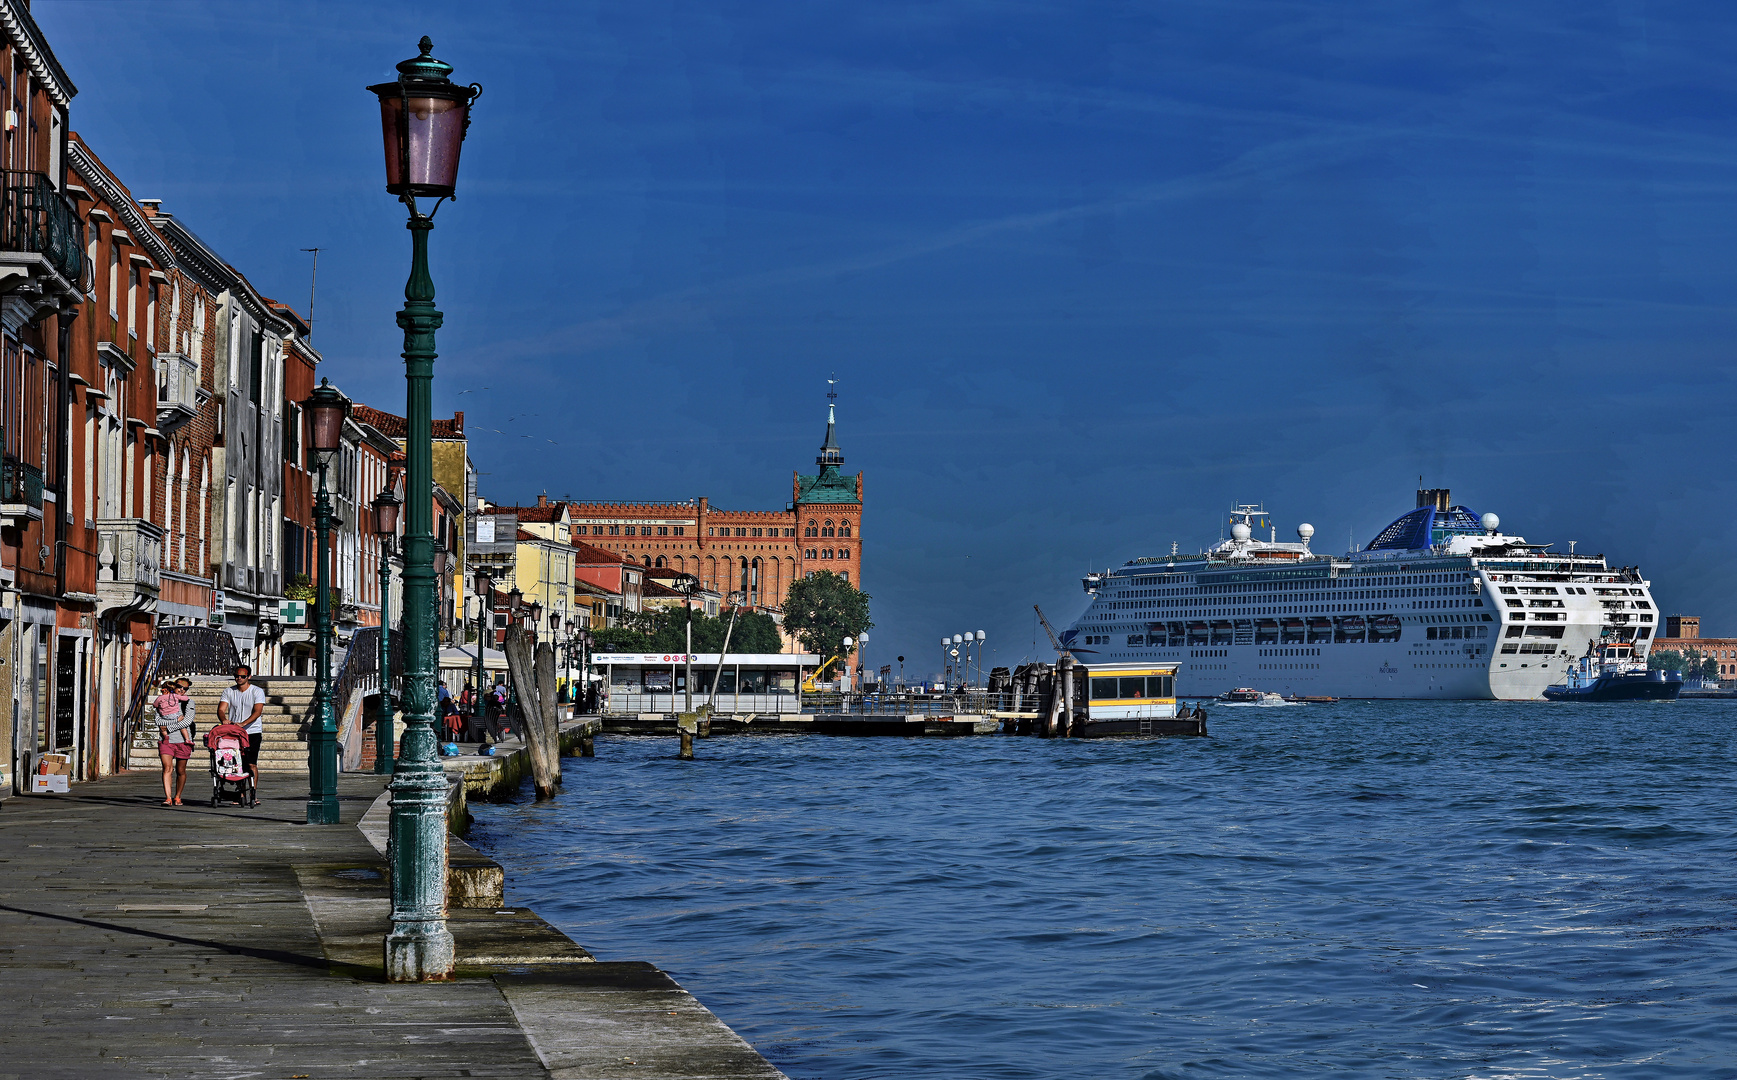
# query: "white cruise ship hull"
1440,605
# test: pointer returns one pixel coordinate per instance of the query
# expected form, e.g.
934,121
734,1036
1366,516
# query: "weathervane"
831,394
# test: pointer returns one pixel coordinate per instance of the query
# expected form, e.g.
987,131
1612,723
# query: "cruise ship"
1441,604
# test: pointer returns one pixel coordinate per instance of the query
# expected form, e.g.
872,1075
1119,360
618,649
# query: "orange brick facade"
759,552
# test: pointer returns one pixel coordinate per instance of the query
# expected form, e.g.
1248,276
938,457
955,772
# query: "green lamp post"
423,118
326,411
386,507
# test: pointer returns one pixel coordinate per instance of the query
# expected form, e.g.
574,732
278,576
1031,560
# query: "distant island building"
1683,632
759,552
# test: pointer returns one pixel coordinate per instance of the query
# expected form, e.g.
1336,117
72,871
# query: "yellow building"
543,572
452,471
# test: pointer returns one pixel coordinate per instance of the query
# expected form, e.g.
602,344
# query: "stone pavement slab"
143,941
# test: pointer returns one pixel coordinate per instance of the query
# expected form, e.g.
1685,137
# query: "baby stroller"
230,780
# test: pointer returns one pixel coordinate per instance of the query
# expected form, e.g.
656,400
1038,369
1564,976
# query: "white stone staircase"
286,705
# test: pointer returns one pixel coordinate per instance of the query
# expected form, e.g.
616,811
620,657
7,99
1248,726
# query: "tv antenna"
313,283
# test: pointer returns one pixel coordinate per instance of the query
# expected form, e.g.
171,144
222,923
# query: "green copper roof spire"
830,454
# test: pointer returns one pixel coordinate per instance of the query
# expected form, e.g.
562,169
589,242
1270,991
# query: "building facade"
756,552
1683,634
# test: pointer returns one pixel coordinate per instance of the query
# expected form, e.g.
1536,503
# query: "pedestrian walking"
495,705
174,709
244,705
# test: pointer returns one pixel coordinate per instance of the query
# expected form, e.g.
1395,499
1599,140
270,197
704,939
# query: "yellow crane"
813,676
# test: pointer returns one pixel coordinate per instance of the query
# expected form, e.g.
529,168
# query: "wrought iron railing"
20,483
177,651
197,650
360,665
36,218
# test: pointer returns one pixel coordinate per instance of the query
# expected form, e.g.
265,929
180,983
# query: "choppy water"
1380,890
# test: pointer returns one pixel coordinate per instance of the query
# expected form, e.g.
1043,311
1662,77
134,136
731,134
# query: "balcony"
116,347
179,395
129,561
20,491
41,244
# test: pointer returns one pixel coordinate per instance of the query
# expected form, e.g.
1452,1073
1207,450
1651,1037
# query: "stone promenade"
141,940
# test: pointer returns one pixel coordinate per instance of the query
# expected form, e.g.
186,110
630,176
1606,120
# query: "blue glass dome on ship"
1425,527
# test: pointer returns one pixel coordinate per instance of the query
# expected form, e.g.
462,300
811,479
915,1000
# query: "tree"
823,610
1665,660
664,630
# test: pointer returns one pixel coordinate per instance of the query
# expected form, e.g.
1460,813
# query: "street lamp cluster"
957,654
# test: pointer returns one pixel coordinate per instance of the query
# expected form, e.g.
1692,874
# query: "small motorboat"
1245,695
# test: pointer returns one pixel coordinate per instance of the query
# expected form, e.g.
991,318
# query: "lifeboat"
1352,624
1385,624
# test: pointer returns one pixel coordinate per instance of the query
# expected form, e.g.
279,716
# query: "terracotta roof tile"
533,513
395,427
586,555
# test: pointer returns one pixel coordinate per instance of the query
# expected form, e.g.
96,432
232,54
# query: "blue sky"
1088,273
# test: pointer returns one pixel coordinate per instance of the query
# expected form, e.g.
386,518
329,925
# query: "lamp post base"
419,952
419,946
323,770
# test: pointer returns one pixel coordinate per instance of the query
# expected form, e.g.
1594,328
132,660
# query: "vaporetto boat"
1441,604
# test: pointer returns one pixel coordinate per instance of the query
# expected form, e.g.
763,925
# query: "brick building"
1683,633
759,552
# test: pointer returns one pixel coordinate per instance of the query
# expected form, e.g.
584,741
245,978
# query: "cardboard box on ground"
53,773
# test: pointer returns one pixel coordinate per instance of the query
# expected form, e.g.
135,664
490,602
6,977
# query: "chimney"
1436,497
543,500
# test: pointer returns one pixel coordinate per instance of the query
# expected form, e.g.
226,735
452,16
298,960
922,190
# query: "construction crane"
814,676
1053,640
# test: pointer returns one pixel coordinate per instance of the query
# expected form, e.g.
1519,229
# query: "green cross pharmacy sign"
292,612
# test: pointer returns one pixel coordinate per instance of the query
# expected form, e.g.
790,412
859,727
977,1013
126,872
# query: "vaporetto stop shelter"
749,682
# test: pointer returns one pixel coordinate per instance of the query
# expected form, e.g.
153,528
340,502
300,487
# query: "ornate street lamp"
423,119
485,609
326,411
386,507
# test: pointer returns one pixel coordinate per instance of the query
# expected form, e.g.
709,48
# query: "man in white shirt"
244,704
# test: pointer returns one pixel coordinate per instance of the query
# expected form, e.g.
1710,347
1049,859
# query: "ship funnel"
1436,497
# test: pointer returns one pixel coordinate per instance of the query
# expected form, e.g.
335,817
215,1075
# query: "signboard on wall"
485,530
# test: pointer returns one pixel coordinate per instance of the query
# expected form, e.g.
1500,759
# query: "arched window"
660,562
844,528
844,553
812,529
648,560
826,553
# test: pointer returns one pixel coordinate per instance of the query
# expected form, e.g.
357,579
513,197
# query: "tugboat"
1610,672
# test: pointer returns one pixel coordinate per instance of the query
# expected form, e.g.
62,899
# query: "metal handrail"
179,650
